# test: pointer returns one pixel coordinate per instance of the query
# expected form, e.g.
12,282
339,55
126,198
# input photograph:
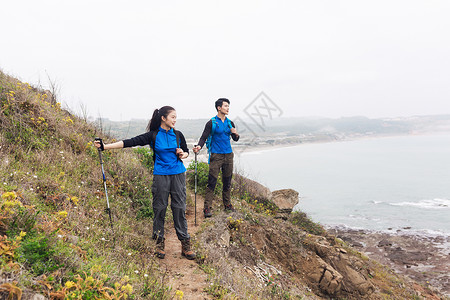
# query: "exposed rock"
29,295
38,297
285,199
224,239
331,281
384,243
255,189
422,258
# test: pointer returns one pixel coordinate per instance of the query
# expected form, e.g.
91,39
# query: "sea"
383,184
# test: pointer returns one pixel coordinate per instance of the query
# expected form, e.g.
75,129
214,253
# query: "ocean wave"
428,204
377,202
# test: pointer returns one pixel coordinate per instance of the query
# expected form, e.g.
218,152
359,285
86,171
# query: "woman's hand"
98,144
181,154
116,145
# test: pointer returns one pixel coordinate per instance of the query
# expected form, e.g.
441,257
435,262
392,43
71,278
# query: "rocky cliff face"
257,255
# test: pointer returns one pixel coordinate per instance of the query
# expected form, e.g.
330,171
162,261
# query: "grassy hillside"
55,237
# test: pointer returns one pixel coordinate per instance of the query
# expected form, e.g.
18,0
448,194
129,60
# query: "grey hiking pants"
175,186
219,162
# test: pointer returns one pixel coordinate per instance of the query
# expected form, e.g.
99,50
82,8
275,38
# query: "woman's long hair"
155,122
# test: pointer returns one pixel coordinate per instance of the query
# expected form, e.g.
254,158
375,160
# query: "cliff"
56,240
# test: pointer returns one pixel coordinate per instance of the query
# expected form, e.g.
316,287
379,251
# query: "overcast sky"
123,59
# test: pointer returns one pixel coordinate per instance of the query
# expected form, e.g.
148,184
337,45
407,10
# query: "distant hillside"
301,129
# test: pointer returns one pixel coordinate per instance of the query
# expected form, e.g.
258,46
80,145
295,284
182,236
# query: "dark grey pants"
219,162
175,186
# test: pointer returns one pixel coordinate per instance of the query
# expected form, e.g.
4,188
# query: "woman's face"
170,120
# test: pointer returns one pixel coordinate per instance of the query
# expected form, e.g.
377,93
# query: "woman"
169,147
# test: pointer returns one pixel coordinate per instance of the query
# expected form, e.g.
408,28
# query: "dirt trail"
184,274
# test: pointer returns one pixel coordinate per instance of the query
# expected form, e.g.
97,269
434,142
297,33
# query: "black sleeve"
140,140
183,144
234,136
205,133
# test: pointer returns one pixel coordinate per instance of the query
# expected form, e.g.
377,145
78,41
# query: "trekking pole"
195,190
108,209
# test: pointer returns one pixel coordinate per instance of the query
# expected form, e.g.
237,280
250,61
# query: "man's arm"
234,135
205,133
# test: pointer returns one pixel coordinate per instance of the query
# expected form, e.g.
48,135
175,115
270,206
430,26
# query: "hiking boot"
159,251
229,208
207,212
186,249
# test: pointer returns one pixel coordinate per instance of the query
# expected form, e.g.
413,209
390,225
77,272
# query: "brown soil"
183,274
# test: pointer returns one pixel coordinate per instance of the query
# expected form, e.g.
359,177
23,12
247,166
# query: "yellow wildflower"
75,200
9,196
62,214
22,234
96,268
90,279
179,294
127,288
69,284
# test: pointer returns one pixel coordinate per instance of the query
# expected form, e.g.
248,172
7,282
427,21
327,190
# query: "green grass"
58,229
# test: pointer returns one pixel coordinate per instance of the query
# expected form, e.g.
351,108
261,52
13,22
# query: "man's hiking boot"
229,208
159,251
186,249
207,212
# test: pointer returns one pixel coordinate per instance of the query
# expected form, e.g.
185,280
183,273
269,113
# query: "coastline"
423,258
258,148
420,255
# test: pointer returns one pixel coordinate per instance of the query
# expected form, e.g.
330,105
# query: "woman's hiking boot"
186,249
207,212
159,251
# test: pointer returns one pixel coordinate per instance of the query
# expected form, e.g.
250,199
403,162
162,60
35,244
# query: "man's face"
225,108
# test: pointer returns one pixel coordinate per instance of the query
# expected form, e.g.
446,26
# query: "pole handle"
102,147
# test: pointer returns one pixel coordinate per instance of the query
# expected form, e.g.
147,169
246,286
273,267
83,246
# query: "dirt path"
184,274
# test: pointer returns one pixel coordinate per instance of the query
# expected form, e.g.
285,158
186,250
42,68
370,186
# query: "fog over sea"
385,184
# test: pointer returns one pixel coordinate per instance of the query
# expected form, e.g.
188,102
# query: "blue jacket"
166,160
220,141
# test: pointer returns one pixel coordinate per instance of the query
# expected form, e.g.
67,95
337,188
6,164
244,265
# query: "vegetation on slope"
55,237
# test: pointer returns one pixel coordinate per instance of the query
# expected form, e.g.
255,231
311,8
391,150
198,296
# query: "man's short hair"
220,102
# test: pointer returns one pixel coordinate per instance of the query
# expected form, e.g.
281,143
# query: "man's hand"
233,130
196,149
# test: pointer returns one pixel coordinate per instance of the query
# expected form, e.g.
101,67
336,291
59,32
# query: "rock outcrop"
285,199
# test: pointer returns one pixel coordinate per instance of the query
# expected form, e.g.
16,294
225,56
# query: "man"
217,134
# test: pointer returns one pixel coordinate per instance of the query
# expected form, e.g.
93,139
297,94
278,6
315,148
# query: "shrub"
146,156
38,254
202,178
302,220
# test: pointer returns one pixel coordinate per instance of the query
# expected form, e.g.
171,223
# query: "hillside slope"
56,239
